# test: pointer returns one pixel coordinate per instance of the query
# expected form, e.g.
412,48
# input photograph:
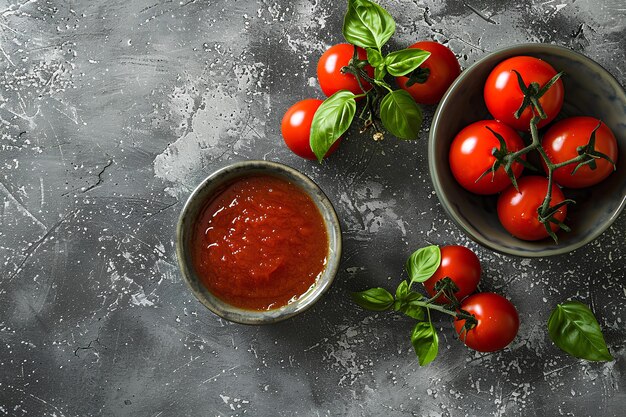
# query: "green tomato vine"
587,155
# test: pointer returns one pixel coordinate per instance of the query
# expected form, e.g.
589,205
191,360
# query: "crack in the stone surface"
104,168
480,14
162,209
97,340
97,183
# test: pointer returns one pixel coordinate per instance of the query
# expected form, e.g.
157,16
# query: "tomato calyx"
546,215
356,67
532,93
418,76
589,154
446,287
470,322
505,157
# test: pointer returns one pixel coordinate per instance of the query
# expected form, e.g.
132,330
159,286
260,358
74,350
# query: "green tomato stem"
433,298
546,202
428,304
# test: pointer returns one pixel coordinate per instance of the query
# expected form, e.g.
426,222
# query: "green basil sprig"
424,336
369,26
404,302
420,266
575,330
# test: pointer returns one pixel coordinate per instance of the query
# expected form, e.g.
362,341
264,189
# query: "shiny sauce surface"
260,243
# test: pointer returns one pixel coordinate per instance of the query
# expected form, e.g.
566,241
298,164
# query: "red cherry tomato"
443,67
503,95
329,73
296,128
462,266
498,322
517,211
561,142
471,155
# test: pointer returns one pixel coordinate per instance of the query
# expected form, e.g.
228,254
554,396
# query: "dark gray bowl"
589,91
196,203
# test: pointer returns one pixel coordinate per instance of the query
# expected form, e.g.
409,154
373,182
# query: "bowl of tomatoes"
527,150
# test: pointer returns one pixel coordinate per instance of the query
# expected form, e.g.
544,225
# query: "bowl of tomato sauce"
590,92
258,242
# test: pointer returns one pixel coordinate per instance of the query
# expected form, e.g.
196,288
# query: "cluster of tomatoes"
496,319
478,148
436,73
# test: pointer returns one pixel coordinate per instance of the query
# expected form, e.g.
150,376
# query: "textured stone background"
112,111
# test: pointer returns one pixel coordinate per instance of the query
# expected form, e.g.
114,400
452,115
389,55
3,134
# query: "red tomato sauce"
260,243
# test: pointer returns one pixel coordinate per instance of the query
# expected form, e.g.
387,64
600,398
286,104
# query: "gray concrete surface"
112,111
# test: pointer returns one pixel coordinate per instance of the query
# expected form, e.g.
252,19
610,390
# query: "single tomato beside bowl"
471,155
497,322
566,139
428,83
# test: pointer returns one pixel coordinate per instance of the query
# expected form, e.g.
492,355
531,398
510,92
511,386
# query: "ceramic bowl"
212,185
589,91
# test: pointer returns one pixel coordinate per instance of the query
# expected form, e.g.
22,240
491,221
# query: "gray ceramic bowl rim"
460,221
243,316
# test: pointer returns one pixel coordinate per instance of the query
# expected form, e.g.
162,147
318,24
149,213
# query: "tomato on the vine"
329,67
439,71
296,128
462,266
561,143
497,322
518,210
503,95
471,156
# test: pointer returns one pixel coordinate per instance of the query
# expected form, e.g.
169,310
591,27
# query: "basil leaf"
405,60
413,310
331,120
368,25
402,291
380,72
404,299
400,115
376,299
374,57
425,342
573,328
423,263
